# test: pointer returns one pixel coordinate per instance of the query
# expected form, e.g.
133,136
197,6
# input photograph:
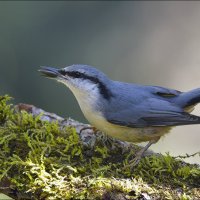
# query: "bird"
129,112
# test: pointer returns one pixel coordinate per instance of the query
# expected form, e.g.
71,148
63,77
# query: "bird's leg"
140,154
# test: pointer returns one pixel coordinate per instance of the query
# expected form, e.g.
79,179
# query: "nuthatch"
128,112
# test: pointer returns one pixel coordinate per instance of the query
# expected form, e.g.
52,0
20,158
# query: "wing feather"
164,119
145,106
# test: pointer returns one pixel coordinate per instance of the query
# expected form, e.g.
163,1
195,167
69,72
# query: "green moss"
49,162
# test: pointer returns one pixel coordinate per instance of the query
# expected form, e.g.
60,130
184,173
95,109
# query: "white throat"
88,98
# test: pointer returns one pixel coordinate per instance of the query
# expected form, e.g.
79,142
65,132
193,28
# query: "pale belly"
119,132
124,133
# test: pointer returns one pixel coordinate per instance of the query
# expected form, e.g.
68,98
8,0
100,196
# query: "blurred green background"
149,42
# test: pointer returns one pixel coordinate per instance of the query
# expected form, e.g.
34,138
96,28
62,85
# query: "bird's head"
80,78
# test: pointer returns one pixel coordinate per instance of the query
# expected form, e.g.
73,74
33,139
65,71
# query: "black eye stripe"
63,72
74,74
103,89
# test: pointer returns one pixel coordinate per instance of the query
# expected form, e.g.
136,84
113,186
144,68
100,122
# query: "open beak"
49,72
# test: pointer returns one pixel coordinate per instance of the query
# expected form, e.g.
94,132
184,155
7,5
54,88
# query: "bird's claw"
134,162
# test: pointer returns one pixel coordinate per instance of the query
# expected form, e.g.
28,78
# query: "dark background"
155,43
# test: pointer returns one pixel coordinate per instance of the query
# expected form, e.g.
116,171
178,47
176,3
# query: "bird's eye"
75,74
63,72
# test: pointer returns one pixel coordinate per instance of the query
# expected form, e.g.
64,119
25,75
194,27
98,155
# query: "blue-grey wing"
154,107
163,92
156,119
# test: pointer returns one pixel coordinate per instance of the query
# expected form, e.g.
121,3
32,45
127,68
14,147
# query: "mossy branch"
44,156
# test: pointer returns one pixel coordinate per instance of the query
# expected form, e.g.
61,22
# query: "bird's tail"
189,99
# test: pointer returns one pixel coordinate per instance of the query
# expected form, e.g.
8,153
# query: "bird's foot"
140,154
135,161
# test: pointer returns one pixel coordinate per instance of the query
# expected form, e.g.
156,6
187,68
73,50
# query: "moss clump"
42,160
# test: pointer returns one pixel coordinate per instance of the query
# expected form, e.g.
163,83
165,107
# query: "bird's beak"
49,72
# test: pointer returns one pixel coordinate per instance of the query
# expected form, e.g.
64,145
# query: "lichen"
46,161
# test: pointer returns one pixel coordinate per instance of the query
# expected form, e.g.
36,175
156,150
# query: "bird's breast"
96,118
123,133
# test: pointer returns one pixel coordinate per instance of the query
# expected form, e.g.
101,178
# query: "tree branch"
44,156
